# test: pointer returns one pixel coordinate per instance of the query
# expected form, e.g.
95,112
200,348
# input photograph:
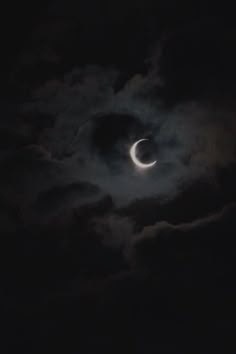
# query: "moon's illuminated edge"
136,160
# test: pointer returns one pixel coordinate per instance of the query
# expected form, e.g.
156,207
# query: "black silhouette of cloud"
163,244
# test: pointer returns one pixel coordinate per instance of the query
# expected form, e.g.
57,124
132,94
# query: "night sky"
98,256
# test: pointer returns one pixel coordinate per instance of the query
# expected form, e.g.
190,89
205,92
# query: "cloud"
114,231
44,189
86,143
163,245
61,201
88,140
191,140
31,173
114,249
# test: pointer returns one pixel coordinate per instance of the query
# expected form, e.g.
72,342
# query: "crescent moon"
134,158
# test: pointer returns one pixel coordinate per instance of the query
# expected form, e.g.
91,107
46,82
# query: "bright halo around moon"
134,158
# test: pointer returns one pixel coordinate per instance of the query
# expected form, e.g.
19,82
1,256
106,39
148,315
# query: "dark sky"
98,256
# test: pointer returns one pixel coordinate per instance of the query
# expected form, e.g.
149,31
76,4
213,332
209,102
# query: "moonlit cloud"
192,140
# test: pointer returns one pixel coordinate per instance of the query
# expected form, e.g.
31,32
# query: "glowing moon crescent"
134,158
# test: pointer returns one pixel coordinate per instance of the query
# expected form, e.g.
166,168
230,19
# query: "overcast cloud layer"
117,259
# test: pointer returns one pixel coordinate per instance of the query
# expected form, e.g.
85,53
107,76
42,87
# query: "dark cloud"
30,178
113,258
197,207
88,125
199,242
189,141
62,200
94,125
196,199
